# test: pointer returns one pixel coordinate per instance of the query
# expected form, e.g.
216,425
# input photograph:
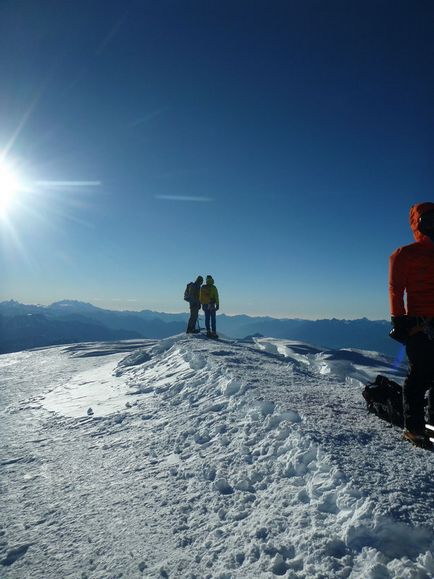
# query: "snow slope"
206,459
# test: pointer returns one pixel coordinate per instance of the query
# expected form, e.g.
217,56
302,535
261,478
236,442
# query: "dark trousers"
420,378
210,321
194,312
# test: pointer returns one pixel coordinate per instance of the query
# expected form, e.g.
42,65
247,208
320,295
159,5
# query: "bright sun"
9,189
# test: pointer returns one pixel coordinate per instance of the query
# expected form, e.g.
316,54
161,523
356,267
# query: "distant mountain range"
68,321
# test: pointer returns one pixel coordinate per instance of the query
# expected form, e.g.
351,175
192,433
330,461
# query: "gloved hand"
401,326
216,307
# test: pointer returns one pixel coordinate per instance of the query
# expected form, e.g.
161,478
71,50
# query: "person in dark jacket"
194,301
412,272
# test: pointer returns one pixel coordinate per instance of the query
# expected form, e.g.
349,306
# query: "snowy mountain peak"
73,304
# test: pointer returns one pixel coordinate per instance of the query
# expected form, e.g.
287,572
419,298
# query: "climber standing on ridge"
412,271
209,298
192,296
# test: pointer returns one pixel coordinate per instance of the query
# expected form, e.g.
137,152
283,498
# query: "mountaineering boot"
429,424
214,335
417,438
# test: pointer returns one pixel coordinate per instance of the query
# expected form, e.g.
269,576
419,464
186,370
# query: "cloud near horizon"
69,183
190,198
148,117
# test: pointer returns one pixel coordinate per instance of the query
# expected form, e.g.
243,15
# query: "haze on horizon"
276,146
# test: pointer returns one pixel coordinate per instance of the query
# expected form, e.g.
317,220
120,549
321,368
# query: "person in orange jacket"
411,272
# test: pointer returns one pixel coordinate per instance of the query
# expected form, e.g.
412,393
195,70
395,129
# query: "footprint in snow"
15,554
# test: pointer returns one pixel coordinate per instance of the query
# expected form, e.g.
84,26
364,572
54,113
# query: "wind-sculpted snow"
219,459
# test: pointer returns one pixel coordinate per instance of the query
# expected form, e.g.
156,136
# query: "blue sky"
275,145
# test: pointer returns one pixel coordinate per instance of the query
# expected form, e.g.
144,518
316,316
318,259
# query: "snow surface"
188,457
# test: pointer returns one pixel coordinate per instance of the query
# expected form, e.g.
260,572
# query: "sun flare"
9,189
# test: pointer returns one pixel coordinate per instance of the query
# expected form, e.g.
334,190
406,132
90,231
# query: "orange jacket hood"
416,211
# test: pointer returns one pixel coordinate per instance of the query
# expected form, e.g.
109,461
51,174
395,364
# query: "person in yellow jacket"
209,298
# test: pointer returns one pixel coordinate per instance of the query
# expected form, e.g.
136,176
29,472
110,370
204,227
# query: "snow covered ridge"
206,459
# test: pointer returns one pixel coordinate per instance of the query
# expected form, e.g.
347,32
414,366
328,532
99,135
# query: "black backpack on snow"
384,398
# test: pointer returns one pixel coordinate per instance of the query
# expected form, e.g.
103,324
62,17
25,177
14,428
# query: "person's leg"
429,355
189,326
213,320
430,413
207,317
193,317
420,353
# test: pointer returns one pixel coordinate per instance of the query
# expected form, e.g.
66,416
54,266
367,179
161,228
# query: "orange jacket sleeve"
398,270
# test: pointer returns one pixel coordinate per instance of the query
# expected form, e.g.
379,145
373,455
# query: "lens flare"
397,363
9,189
